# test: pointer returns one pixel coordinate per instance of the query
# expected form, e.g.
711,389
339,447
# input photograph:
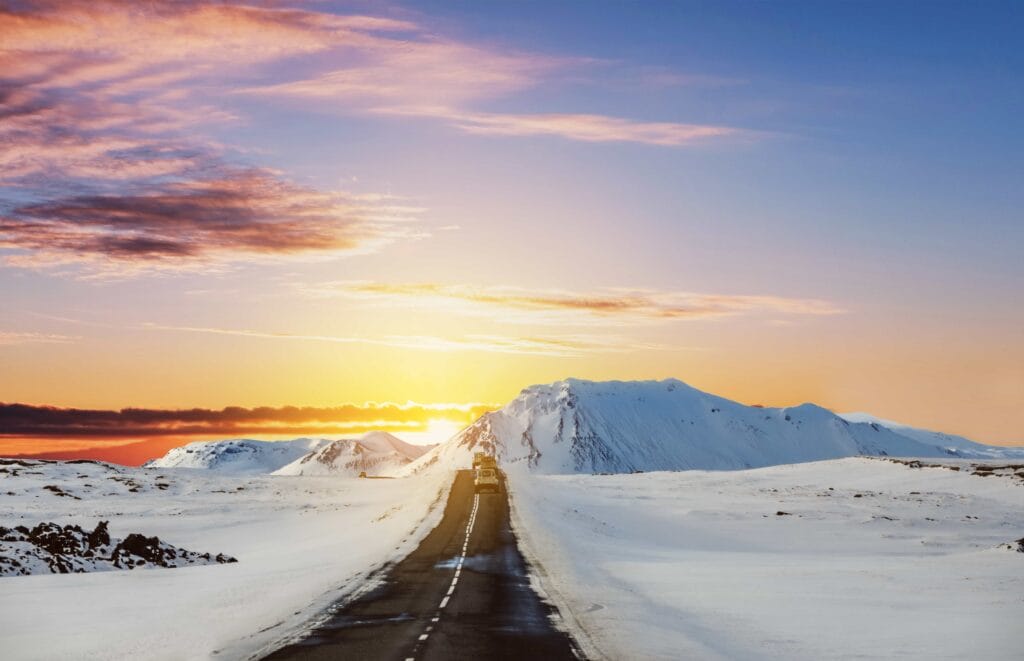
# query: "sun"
438,430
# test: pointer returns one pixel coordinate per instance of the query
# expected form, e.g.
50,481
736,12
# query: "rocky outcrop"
49,548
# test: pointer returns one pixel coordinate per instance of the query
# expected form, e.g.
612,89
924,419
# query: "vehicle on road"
484,460
486,479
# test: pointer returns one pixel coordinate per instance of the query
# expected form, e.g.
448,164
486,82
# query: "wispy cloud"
564,346
8,338
632,305
415,69
418,74
580,127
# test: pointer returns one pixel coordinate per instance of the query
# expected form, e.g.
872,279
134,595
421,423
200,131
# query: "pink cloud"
110,98
237,214
102,98
420,72
589,128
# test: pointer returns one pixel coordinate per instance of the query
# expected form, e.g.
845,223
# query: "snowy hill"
238,456
576,426
375,453
958,445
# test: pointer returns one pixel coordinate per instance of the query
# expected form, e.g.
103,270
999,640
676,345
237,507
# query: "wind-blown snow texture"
375,453
850,559
578,426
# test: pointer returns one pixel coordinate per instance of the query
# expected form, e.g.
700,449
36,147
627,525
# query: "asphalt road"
463,593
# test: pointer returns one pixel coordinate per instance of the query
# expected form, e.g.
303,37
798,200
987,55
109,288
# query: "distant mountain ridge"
375,453
576,426
959,444
241,456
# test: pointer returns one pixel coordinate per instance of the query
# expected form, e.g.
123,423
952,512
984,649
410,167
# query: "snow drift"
576,426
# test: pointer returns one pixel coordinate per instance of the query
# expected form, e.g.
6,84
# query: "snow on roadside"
841,559
301,543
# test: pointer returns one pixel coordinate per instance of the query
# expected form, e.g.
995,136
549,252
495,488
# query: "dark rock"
70,549
99,536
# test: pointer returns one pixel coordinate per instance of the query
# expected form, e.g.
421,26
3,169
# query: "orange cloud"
636,305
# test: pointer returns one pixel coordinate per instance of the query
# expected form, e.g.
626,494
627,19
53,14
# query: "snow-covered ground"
301,542
872,559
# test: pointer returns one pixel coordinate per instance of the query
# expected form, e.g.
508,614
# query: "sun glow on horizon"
438,430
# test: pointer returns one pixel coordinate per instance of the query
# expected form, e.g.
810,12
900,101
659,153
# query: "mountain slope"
238,456
375,453
957,444
576,426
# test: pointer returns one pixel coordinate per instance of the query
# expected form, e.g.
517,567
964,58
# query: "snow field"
301,543
700,565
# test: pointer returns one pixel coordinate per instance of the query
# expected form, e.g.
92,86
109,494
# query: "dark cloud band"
25,420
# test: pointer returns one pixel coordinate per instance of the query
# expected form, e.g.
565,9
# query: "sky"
286,218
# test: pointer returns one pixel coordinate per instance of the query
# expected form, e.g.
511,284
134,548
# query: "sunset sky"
398,216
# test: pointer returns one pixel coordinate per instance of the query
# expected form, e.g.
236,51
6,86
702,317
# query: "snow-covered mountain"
959,445
576,426
239,456
375,453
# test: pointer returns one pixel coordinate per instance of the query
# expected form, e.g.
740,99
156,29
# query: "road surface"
463,593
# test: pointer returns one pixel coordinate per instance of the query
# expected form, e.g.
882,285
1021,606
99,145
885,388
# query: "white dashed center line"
455,577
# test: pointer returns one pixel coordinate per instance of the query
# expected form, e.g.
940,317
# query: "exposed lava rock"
51,549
